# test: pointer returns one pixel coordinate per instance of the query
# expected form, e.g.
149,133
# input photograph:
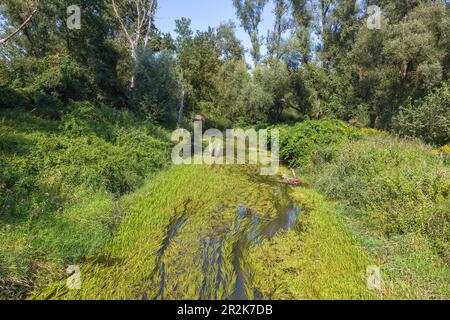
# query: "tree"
199,61
275,79
230,104
20,28
405,59
250,14
427,118
298,47
157,86
34,37
48,58
325,8
229,45
274,38
136,21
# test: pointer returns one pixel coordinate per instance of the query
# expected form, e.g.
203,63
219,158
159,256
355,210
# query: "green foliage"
10,98
67,153
428,119
230,103
301,142
250,13
227,42
257,102
199,60
61,77
398,186
403,60
30,99
157,86
58,182
275,80
69,64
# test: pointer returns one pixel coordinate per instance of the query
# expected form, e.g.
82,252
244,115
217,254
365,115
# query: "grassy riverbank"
392,194
93,188
211,197
60,178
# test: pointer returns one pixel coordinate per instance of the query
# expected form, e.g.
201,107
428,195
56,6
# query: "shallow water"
199,260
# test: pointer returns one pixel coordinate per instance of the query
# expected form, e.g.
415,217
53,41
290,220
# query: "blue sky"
204,13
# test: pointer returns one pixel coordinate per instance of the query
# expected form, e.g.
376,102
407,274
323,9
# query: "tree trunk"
324,15
404,78
134,64
404,71
181,110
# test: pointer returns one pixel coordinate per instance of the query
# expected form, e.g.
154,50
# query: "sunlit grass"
318,260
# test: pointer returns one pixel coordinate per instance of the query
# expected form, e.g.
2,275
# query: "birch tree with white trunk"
135,19
20,28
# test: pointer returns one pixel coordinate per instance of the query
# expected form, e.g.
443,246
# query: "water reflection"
226,272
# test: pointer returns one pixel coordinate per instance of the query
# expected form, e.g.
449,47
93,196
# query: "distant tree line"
320,60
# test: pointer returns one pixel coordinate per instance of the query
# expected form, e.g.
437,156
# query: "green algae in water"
199,258
197,254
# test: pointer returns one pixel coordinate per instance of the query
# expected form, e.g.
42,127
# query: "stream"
198,258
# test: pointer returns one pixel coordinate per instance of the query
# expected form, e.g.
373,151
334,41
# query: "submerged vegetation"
179,222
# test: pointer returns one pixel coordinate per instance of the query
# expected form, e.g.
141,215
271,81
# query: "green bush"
31,99
398,186
58,182
299,143
62,77
157,87
428,119
12,98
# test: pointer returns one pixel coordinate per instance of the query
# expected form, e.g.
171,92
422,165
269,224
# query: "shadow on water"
225,270
160,270
250,230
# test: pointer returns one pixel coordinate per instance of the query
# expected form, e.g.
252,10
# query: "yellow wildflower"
446,149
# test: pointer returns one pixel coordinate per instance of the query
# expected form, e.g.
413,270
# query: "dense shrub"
300,142
31,99
10,98
157,88
91,148
62,77
428,118
58,179
398,186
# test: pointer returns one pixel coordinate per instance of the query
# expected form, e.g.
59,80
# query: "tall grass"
59,179
394,196
399,185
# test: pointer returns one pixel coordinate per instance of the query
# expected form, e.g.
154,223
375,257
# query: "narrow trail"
211,232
